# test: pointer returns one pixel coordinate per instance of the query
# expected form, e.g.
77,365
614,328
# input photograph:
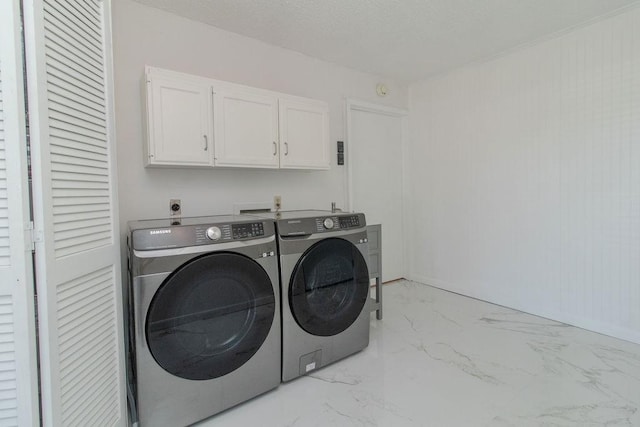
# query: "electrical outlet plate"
277,203
175,207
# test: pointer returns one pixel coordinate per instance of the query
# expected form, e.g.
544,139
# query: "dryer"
204,323
325,288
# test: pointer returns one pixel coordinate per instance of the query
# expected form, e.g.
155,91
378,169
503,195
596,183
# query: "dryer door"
329,287
210,316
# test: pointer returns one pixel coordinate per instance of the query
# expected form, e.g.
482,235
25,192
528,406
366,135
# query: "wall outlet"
175,207
277,203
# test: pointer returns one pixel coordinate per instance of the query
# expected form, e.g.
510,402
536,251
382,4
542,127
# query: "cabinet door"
179,121
304,132
245,128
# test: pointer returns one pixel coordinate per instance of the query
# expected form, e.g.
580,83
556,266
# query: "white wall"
147,36
526,178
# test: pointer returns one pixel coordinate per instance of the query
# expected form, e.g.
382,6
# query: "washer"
325,288
204,324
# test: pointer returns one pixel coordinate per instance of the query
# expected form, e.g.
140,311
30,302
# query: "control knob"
213,233
328,223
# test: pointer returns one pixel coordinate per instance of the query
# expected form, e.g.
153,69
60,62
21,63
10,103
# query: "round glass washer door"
329,287
210,316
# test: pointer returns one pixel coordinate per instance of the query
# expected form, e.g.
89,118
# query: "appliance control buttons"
349,221
213,233
249,230
328,223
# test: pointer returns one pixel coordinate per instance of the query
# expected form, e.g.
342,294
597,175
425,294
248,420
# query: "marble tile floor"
441,359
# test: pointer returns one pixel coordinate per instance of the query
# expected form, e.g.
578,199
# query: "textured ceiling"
404,39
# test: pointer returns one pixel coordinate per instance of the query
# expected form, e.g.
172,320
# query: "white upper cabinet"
304,134
193,121
245,128
179,120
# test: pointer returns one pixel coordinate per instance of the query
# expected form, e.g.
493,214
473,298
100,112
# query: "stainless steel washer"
325,288
204,323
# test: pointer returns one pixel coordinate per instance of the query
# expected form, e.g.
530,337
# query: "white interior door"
374,159
18,364
69,80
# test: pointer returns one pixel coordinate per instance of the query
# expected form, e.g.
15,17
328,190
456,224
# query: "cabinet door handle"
286,148
206,143
275,148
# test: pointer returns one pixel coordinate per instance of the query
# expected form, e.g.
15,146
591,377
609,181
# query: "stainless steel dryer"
204,324
325,288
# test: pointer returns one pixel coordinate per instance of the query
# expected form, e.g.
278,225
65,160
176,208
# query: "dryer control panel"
301,226
342,222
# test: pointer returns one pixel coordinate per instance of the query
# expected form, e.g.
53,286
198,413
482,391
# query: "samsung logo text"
152,232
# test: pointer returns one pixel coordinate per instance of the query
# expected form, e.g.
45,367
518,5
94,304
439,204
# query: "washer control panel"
327,223
176,236
206,234
349,221
243,231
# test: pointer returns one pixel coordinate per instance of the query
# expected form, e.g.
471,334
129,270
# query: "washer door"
329,287
210,316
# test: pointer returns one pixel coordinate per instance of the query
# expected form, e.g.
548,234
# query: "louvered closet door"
18,369
68,44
